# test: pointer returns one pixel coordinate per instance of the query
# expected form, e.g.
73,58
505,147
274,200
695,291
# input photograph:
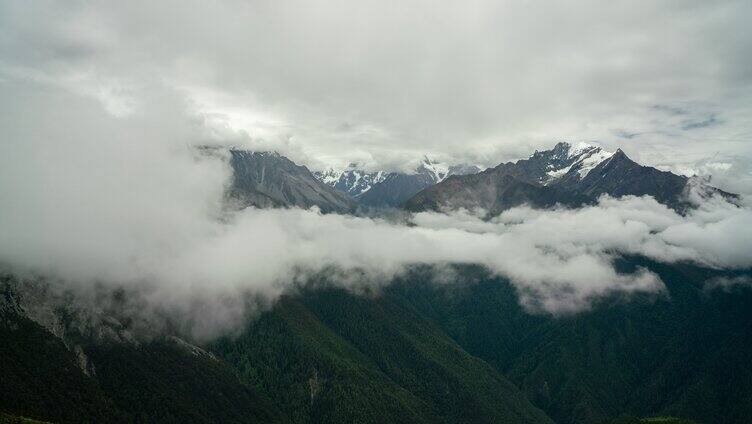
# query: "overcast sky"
383,82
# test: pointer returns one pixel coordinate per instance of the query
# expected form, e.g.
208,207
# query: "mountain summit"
571,175
566,160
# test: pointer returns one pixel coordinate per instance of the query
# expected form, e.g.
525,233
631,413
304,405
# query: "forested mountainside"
163,380
416,351
330,356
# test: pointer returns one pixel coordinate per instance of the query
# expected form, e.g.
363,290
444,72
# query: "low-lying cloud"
93,200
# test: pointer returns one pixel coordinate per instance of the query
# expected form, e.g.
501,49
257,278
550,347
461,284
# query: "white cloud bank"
90,198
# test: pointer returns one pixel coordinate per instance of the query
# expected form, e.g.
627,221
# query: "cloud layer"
92,199
101,103
334,82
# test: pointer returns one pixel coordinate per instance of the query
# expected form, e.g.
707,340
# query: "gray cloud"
704,123
339,82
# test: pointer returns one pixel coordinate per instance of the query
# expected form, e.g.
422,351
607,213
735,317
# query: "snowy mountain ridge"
356,182
582,158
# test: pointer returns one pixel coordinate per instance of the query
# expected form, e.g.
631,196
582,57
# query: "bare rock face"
269,180
84,363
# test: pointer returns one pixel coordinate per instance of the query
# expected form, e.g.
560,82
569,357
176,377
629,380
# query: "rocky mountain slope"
567,175
158,381
322,355
267,179
415,352
680,354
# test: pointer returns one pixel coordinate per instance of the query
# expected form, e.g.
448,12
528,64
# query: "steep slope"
678,354
416,351
40,378
167,380
492,192
568,175
157,382
563,161
620,176
332,356
93,374
266,179
395,189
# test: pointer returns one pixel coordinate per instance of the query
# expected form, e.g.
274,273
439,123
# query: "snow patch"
352,181
437,171
556,174
580,148
586,164
583,156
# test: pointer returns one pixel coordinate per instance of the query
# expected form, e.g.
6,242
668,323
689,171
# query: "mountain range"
268,179
391,189
567,175
412,350
416,351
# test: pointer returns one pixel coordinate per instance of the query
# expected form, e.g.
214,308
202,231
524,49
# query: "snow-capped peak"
564,157
591,160
580,148
356,182
330,176
437,171
351,180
